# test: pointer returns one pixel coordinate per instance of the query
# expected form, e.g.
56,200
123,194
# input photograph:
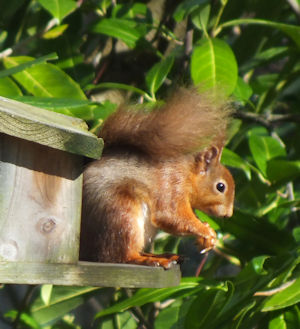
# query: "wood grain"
89,274
40,202
48,128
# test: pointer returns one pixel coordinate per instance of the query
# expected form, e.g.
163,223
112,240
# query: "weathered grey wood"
48,128
40,202
89,274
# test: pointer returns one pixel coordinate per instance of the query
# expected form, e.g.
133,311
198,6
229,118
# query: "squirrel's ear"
209,156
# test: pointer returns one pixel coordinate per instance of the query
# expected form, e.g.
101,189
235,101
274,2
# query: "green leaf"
114,85
83,109
231,159
26,64
242,90
206,310
63,300
186,7
130,10
205,218
282,171
45,80
213,66
265,238
25,319
200,17
292,317
8,88
264,148
277,322
144,296
284,298
173,316
55,32
293,31
123,29
46,291
157,74
59,8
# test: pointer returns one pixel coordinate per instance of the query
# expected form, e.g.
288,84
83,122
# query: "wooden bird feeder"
41,167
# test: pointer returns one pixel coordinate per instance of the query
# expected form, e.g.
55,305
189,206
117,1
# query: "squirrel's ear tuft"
211,154
205,159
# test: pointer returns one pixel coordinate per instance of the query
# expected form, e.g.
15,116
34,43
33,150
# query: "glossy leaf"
173,316
284,298
231,159
292,31
45,80
63,300
186,7
46,291
123,29
200,17
242,91
264,148
144,296
25,64
206,310
59,8
157,75
78,108
8,88
55,32
213,66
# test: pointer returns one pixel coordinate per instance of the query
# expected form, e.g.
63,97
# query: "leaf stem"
215,29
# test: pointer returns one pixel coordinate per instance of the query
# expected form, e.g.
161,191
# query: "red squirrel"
157,167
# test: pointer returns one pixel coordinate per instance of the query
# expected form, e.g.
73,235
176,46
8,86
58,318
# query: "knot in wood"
9,250
47,225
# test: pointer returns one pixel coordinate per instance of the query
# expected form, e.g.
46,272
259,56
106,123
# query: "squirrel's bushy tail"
186,123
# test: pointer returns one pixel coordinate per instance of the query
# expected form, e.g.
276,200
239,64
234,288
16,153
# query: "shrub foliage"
81,57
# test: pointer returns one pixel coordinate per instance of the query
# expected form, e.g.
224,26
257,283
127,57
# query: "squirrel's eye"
221,187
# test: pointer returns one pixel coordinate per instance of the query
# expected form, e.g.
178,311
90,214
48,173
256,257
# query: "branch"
267,120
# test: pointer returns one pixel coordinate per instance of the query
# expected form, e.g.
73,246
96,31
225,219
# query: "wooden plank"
40,202
48,128
89,274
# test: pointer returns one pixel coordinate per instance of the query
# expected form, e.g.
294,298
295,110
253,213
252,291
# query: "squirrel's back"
187,123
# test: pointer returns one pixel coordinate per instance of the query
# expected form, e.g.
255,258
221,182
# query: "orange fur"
187,123
156,168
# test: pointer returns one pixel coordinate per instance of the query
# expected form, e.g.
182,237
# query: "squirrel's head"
214,184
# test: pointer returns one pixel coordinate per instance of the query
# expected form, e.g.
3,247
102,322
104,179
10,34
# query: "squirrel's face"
215,186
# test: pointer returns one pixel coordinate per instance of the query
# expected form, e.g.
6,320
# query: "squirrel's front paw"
208,240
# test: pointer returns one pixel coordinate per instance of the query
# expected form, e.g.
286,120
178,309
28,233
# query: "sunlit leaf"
45,80
231,159
263,149
55,32
59,8
144,296
26,64
158,73
242,90
284,298
8,88
46,291
186,7
123,29
213,66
